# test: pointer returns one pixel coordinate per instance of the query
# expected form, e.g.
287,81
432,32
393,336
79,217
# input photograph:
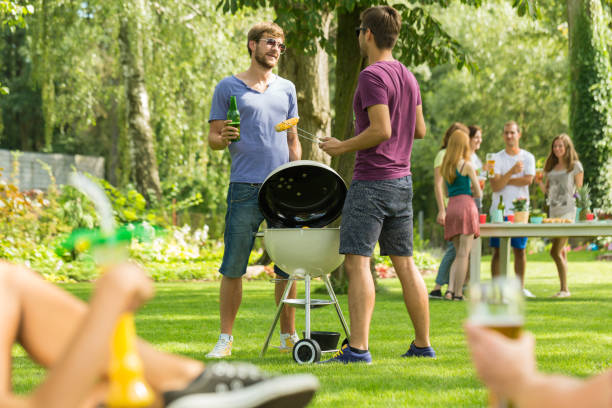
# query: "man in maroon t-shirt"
378,207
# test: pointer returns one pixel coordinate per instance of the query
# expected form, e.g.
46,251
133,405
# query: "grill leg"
307,305
333,297
279,309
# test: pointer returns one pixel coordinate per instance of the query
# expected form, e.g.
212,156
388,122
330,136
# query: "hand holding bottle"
230,133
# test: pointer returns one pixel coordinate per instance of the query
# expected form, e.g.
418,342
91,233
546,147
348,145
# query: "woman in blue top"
461,222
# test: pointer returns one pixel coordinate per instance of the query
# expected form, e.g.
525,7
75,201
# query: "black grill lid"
302,193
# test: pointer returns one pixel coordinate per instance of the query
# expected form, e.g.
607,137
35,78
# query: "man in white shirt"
514,172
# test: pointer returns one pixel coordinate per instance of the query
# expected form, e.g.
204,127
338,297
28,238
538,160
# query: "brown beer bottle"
234,116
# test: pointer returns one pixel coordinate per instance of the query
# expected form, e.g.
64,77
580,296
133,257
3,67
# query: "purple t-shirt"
386,83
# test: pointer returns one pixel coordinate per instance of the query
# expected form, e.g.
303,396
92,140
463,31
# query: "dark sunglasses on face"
359,30
271,42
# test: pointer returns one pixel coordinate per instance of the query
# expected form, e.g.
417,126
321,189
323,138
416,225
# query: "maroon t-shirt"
387,83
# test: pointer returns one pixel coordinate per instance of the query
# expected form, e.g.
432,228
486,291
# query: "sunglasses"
359,30
271,42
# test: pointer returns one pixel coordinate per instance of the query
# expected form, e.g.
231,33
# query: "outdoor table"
506,230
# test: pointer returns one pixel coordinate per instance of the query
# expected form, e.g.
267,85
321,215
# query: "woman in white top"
563,173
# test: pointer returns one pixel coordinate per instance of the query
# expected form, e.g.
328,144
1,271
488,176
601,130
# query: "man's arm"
521,181
378,131
501,180
420,129
220,135
295,148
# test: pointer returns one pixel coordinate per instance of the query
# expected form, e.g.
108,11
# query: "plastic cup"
510,218
589,217
483,218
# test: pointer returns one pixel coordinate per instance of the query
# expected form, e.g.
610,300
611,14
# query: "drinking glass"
491,164
539,174
482,177
498,305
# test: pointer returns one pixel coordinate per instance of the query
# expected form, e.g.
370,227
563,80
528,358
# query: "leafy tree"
591,94
132,21
522,76
12,15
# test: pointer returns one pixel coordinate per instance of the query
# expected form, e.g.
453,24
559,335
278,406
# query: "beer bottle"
501,205
234,116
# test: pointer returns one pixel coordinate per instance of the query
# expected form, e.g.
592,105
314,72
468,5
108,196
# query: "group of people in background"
456,168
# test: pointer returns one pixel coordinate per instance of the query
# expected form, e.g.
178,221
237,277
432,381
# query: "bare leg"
361,297
415,297
520,262
558,254
230,297
463,245
287,317
495,263
44,319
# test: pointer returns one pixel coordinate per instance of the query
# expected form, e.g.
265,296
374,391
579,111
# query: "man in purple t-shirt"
378,206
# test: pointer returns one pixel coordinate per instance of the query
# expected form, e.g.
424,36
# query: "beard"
261,60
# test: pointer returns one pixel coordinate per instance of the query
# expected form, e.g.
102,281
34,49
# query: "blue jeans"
242,220
445,265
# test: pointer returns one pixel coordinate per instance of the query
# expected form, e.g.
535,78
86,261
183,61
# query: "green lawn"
573,337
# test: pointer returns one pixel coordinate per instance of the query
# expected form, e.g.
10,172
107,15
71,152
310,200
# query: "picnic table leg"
504,256
475,261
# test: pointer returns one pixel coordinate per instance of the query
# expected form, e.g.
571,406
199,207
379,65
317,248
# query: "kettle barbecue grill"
297,200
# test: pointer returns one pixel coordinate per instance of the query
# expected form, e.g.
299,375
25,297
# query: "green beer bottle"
501,207
234,116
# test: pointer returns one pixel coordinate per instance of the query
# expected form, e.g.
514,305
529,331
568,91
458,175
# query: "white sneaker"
287,341
223,348
562,294
527,293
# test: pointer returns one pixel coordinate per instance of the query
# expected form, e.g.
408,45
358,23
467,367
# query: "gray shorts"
379,210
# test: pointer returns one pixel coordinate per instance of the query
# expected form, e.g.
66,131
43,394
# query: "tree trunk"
348,65
313,95
590,95
112,127
137,101
44,77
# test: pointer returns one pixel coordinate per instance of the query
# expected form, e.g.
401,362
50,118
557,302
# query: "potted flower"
537,216
583,202
521,210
